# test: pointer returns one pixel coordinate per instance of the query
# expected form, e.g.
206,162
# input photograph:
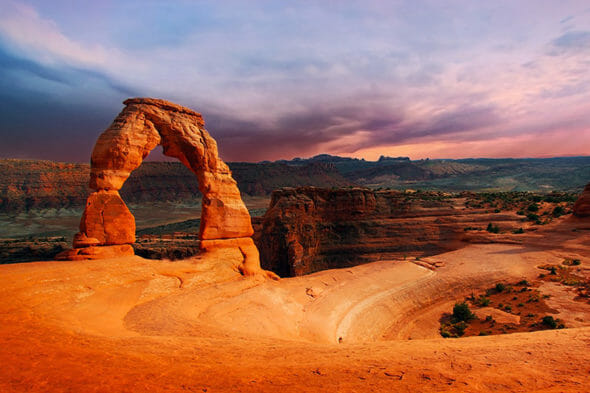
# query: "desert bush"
500,287
533,217
461,312
533,207
483,301
558,211
460,327
571,262
549,321
492,228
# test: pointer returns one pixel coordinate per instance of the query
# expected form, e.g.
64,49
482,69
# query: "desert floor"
135,325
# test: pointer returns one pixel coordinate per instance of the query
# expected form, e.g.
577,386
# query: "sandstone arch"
107,227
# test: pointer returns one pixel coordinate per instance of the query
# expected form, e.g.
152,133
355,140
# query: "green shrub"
461,312
500,287
518,231
571,262
460,327
558,211
533,217
533,207
549,321
492,228
483,301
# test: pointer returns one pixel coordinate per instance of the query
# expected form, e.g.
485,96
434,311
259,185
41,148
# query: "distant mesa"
582,205
107,227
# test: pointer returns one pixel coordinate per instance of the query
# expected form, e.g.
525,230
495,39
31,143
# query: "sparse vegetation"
483,301
571,262
549,321
492,228
461,312
525,302
558,211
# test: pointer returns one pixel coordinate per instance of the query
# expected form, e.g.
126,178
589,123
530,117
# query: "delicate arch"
142,125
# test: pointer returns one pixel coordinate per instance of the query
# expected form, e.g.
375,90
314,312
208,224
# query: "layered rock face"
142,125
309,229
582,205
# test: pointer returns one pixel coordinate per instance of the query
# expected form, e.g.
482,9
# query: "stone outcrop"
142,125
309,229
582,205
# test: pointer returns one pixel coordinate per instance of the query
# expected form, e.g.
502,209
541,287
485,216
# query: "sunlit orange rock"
96,252
107,219
81,241
248,259
142,125
582,205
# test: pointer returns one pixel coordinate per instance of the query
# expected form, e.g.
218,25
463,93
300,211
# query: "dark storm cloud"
10,62
45,114
297,134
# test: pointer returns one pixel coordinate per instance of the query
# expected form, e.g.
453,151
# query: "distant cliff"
31,184
309,229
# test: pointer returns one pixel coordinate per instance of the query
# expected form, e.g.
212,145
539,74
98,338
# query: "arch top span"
142,125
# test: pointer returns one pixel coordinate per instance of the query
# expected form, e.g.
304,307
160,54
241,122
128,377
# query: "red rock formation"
107,220
142,125
582,205
310,229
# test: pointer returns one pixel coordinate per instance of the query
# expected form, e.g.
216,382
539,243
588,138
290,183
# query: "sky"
284,79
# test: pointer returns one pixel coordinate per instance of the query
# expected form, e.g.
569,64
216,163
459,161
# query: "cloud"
43,38
571,42
277,80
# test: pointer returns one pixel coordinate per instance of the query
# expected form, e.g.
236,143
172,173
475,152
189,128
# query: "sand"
130,324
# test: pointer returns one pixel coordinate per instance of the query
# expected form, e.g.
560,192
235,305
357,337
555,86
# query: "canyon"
309,229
